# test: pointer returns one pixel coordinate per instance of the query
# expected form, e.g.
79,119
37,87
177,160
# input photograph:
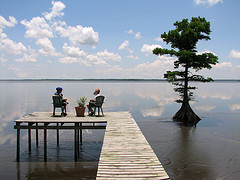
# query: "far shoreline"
107,80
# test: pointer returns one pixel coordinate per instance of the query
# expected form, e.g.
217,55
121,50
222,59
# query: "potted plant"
80,109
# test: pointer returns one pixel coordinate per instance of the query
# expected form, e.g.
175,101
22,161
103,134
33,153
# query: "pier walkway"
125,154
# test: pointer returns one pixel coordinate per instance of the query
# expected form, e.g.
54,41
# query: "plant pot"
80,111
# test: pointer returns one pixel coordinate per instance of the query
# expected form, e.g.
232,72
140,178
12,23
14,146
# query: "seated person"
64,100
92,101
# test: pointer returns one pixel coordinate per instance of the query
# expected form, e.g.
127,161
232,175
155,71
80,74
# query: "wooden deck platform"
125,154
44,121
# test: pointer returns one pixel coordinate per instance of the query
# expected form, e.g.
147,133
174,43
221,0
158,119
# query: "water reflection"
220,97
153,112
62,170
150,99
234,107
184,152
223,91
205,107
188,157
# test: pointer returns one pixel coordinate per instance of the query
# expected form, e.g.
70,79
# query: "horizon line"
107,79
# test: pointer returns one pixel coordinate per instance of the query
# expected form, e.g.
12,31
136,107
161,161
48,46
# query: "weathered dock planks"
126,154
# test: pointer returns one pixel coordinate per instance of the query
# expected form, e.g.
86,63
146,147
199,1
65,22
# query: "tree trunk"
185,114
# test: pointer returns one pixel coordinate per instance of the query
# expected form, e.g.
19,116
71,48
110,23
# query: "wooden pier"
125,154
44,121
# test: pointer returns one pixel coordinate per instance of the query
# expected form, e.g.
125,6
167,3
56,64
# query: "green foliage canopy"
183,42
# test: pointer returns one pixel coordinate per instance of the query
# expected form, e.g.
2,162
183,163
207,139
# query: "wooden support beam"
36,134
57,134
75,143
29,138
60,127
81,134
18,142
45,141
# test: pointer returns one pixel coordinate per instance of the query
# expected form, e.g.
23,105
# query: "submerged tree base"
186,115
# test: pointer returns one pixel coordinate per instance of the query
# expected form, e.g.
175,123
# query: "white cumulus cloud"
27,58
106,55
9,46
124,45
158,39
207,2
57,7
138,35
68,60
4,23
156,68
73,51
131,56
94,59
75,55
149,48
234,54
79,35
2,35
101,58
12,47
130,31
224,65
219,71
206,51
46,47
37,28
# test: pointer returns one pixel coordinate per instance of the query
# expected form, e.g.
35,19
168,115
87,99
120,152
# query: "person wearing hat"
64,100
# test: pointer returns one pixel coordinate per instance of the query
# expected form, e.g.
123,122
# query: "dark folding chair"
98,104
57,103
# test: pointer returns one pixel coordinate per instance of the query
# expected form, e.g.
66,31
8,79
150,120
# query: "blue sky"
109,38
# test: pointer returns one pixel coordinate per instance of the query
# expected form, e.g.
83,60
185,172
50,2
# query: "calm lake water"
209,151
